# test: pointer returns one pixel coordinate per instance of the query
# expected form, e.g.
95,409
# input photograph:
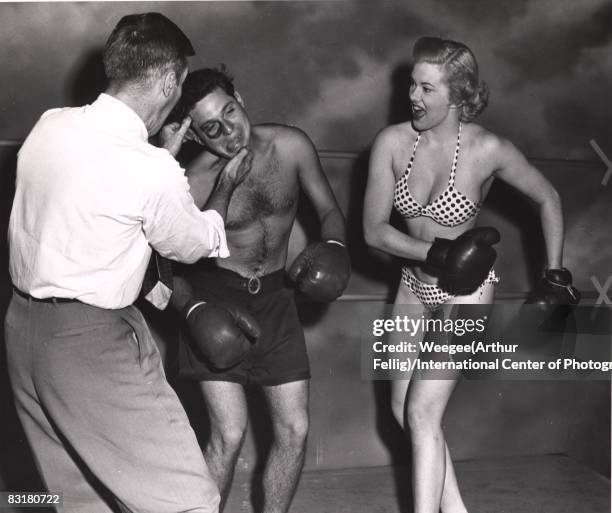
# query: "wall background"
329,67
339,70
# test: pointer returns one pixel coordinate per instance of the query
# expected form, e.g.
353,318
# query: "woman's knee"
421,417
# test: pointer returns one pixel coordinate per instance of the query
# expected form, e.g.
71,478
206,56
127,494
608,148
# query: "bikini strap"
409,166
451,180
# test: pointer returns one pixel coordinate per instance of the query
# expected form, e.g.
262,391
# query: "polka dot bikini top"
450,208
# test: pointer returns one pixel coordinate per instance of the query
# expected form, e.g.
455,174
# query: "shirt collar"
115,112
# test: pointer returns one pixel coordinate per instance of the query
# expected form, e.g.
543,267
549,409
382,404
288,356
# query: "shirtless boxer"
261,214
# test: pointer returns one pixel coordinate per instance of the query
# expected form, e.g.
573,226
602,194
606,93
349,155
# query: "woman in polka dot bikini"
409,170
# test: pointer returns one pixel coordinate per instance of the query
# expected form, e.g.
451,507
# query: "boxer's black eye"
213,130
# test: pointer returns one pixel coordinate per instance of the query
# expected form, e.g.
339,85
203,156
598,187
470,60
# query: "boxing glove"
321,272
546,313
464,263
554,296
223,333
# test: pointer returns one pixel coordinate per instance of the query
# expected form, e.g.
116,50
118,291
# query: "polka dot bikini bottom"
431,295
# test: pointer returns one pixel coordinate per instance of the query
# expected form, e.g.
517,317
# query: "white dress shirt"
91,195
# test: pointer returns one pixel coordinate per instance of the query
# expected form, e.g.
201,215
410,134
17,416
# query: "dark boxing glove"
322,271
464,263
223,333
554,296
546,313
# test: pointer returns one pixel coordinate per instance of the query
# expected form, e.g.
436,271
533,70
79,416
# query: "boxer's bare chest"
270,190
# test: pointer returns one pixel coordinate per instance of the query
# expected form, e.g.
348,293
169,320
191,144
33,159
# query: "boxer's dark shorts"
279,355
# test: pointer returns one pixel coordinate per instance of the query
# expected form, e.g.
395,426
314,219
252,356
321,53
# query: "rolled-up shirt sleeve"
175,227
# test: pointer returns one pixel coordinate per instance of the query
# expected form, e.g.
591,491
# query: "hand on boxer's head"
171,136
463,264
223,333
321,272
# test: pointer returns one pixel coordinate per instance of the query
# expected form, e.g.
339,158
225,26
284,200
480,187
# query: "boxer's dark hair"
461,73
145,45
197,85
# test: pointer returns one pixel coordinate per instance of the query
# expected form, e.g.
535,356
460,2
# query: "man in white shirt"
92,197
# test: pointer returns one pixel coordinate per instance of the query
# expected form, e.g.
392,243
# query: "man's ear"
239,98
169,83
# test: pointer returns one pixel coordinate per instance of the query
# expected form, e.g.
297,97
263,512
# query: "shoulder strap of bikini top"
409,166
451,180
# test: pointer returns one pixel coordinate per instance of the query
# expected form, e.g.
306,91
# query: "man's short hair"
145,45
197,85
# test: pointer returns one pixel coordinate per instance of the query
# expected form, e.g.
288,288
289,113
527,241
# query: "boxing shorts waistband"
252,285
54,300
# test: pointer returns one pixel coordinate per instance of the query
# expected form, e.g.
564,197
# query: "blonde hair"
461,70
